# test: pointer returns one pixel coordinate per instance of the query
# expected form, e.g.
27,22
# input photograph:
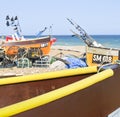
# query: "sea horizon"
110,41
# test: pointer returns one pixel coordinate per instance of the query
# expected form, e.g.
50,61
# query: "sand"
55,51
75,50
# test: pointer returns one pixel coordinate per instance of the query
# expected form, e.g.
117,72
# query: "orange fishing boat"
97,56
43,44
13,43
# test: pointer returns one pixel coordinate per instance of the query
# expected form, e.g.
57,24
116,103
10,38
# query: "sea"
111,41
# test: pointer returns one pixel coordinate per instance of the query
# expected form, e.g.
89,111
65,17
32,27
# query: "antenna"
50,29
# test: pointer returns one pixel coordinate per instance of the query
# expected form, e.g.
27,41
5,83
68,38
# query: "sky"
94,16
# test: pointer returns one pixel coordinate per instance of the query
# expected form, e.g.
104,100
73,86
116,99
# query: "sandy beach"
74,50
55,51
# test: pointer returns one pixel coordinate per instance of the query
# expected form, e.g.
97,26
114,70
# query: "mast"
83,35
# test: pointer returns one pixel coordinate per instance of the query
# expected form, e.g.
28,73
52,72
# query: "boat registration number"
99,58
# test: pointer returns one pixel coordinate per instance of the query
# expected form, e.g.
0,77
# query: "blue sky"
95,16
